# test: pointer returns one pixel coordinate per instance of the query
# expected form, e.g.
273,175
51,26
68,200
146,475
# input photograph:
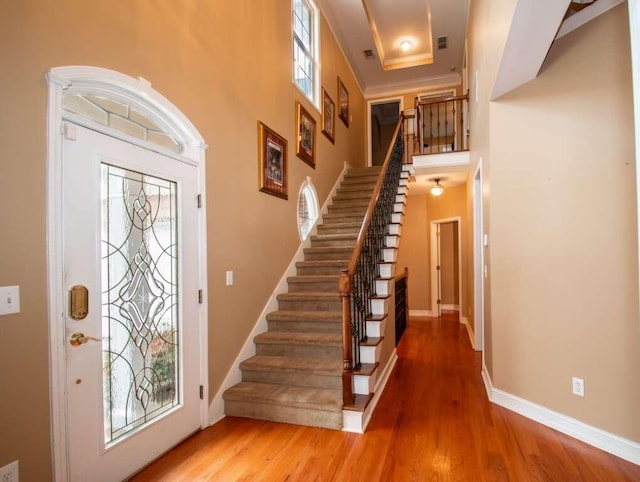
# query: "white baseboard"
613,444
450,307
472,338
234,375
422,313
357,422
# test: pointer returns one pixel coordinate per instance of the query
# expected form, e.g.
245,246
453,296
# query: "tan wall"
415,243
226,65
452,203
489,22
564,254
414,252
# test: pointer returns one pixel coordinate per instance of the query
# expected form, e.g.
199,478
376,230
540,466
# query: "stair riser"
350,203
274,413
376,328
329,219
294,379
356,188
383,288
363,384
311,305
389,255
394,229
310,256
305,326
328,286
348,211
353,196
307,351
380,306
368,179
391,241
398,207
397,218
370,354
318,270
387,270
330,243
329,229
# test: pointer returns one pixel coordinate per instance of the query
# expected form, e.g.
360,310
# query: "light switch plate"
9,300
229,278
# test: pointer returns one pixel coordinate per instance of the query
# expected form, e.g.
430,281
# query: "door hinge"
439,301
438,268
201,392
199,201
200,296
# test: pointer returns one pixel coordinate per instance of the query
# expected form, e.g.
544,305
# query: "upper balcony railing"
440,125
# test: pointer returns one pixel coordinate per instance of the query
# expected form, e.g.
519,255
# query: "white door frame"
370,103
478,261
138,93
434,262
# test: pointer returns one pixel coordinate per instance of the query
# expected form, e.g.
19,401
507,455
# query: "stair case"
296,375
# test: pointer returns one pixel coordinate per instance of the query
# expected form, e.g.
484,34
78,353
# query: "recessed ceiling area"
401,32
382,25
449,177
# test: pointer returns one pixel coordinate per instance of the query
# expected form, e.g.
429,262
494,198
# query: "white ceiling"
394,20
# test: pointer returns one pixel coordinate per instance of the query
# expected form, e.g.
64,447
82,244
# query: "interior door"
132,338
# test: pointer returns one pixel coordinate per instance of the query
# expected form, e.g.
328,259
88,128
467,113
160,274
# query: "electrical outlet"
9,473
578,386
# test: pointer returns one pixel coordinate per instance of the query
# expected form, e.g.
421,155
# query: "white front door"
130,236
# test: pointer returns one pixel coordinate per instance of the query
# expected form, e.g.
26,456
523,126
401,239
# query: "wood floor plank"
433,422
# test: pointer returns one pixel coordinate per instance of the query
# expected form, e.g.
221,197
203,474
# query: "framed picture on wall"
272,162
328,117
305,135
343,102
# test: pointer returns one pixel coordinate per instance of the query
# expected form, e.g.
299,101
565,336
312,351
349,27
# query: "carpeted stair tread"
316,366
299,338
272,394
293,315
334,237
329,249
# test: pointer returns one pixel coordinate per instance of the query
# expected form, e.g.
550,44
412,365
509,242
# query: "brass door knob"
79,338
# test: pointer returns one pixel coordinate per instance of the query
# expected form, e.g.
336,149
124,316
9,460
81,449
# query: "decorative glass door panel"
133,374
140,323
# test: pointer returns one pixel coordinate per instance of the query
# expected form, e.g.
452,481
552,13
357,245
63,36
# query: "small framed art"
272,161
305,135
328,117
343,102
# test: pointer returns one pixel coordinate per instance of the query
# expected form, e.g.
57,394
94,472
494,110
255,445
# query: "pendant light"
437,190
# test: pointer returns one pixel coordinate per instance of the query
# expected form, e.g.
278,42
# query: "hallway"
433,422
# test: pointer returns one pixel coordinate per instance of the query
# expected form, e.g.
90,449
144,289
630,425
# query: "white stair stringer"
355,421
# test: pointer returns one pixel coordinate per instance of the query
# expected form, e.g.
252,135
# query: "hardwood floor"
433,422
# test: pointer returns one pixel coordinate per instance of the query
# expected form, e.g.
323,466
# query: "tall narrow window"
306,64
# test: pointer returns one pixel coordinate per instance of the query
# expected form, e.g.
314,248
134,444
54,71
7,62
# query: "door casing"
138,93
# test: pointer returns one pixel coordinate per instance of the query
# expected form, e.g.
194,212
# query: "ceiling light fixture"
405,45
437,190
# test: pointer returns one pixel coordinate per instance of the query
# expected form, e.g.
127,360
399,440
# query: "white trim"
634,33
371,102
611,443
357,422
420,313
137,93
434,261
465,321
451,308
478,259
234,375
447,159
440,81
585,15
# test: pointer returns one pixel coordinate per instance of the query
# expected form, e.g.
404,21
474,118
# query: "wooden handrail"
438,100
362,234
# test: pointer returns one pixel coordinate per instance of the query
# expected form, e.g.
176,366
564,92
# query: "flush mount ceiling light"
406,45
437,190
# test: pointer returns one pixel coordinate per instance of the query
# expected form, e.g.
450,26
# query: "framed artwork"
328,117
343,103
272,162
305,136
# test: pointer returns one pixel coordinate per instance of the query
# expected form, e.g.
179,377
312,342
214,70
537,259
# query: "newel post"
347,355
